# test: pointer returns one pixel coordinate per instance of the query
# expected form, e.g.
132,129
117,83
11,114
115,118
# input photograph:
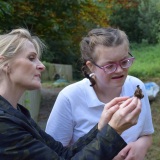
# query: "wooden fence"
31,100
62,70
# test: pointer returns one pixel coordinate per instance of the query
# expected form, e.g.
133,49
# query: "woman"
21,138
106,59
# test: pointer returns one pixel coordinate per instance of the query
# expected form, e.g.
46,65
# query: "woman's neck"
11,94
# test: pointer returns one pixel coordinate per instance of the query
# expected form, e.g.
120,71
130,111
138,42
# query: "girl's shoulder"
76,87
133,80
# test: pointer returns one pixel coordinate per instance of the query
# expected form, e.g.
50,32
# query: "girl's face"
26,68
110,55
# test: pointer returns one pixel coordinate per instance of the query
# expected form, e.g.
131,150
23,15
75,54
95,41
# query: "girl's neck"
106,95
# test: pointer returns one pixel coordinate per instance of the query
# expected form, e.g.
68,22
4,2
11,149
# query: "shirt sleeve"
60,123
18,142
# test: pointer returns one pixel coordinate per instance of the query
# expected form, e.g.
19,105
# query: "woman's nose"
41,66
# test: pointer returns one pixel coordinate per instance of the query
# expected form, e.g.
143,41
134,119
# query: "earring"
92,74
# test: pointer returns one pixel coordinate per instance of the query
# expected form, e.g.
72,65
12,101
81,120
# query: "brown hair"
108,37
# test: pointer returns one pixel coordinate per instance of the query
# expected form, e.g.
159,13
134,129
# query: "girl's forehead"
110,52
100,50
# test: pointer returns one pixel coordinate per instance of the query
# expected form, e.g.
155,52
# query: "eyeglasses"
110,68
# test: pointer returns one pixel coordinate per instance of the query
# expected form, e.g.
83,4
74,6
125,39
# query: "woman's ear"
90,66
2,58
6,68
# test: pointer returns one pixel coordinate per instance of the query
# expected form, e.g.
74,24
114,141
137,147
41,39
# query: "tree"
61,24
148,21
138,18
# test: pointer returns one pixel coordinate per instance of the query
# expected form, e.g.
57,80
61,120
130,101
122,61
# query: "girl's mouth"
118,77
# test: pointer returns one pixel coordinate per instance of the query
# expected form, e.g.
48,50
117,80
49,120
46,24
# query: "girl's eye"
111,66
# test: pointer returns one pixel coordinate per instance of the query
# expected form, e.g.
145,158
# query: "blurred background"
62,23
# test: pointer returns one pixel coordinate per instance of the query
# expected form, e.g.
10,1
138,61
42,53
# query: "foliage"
146,64
138,18
61,24
148,20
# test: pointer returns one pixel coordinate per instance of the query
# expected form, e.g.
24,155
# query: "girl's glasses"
110,68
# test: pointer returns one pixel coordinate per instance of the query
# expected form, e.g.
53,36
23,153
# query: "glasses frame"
116,63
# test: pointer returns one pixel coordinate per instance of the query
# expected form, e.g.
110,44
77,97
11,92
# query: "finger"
115,101
111,111
135,113
131,105
123,153
126,103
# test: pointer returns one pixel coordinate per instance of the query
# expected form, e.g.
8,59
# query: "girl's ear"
90,66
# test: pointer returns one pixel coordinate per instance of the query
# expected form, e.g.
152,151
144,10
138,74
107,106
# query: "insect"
138,93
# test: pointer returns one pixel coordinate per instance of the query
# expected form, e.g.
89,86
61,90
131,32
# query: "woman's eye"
31,58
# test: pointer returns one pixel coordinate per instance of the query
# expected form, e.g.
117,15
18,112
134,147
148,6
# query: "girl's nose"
119,69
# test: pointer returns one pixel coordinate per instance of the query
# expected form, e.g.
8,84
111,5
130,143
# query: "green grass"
147,62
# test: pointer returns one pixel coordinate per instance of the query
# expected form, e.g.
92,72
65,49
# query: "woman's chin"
34,87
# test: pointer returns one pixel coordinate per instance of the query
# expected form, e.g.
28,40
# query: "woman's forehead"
29,47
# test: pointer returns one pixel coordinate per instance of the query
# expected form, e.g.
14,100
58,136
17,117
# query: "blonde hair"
13,42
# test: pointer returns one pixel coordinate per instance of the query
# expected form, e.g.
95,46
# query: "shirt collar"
91,97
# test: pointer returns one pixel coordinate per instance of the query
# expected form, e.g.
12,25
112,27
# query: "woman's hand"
121,113
109,109
127,115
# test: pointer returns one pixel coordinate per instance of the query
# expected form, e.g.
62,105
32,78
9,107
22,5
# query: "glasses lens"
110,68
126,63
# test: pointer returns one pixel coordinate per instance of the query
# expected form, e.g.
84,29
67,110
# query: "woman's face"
26,68
109,55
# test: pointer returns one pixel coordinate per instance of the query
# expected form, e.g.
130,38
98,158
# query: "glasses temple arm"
130,54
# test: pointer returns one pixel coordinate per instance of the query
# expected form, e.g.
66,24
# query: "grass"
147,62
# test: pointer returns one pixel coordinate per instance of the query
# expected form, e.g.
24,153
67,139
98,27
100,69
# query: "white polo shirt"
77,109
